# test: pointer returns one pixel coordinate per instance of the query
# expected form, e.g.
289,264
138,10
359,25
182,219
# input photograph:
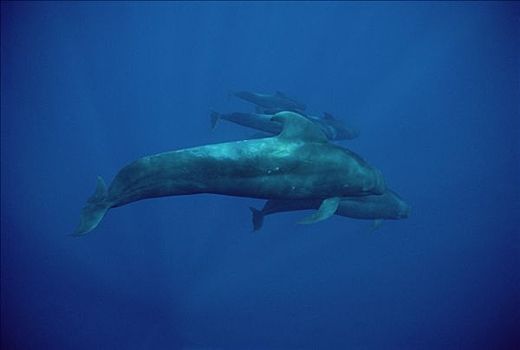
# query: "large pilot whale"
387,206
333,128
299,163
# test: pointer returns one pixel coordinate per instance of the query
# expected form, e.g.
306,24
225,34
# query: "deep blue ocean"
87,88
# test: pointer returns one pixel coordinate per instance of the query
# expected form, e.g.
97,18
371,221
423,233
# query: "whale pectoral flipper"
327,208
258,218
376,224
94,210
215,116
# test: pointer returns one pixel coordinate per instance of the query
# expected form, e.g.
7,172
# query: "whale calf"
388,206
272,103
299,163
331,127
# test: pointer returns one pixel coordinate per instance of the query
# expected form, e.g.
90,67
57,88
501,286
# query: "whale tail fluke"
95,209
215,116
258,218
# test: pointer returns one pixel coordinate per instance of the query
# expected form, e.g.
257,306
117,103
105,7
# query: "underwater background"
88,87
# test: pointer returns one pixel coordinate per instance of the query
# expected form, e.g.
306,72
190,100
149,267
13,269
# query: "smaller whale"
388,206
330,126
274,103
261,122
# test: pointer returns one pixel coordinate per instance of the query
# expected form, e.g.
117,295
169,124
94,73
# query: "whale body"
258,121
331,127
299,163
387,206
271,103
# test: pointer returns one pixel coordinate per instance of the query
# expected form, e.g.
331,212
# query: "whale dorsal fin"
296,126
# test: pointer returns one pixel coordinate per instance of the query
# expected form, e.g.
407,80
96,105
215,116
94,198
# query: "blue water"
88,87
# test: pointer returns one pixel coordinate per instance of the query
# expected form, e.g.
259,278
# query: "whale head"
402,209
377,182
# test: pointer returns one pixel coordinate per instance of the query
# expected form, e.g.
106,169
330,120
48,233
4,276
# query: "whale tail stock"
95,209
258,218
215,116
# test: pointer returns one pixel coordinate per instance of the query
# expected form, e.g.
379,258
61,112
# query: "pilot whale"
387,206
333,128
299,163
272,103
258,121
